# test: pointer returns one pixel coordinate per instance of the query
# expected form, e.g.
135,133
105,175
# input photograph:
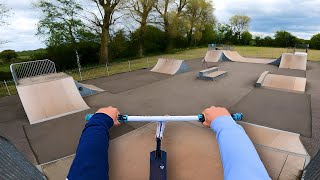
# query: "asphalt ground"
146,93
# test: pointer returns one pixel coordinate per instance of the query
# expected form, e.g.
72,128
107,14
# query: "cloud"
301,18
267,16
20,33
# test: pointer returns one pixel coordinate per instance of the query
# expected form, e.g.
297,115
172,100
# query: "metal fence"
31,69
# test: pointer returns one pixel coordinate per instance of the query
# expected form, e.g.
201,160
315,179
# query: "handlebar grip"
121,118
235,116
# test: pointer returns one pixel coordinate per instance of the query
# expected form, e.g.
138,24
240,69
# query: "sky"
301,18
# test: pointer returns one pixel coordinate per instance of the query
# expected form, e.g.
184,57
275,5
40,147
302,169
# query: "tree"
223,34
198,13
8,55
60,24
285,39
239,23
246,37
268,41
140,10
107,10
315,41
170,18
258,41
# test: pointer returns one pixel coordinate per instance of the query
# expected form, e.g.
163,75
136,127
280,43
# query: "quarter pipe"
293,61
49,96
170,66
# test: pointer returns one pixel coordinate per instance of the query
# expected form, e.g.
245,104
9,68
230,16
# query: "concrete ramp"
293,61
170,66
50,96
281,82
235,56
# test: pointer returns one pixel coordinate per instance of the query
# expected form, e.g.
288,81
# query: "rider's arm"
239,157
91,160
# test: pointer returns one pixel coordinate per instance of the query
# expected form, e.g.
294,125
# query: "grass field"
148,62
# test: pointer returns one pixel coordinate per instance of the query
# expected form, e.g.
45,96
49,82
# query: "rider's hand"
212,113
112,112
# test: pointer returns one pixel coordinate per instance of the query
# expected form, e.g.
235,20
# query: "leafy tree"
60,24
268,41
315,41
258,41
8,55
106,10
285,39
140,10
120,45
208,35
239,24
224,34
198,13
170,12
246,38
154,40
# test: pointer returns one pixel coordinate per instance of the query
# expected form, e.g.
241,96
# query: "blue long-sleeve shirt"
239,157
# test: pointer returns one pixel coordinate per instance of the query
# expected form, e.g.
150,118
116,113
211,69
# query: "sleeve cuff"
102,119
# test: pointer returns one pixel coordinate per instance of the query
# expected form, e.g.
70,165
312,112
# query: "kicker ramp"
49,96
170,66
293,61
281,82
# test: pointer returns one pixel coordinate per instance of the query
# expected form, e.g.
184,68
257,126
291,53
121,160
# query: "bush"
64,56
315,41
154,41
8,55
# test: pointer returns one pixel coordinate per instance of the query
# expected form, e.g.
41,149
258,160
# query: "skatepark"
279,99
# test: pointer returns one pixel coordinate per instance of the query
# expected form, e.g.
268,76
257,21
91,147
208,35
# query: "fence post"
107,69
129,65
5,83
79,70
148,63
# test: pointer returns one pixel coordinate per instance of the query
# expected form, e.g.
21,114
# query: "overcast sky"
302,18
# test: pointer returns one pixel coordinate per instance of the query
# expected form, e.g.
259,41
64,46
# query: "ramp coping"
261,79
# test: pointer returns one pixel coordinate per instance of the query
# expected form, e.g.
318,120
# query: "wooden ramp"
293,61
49,96
170,66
